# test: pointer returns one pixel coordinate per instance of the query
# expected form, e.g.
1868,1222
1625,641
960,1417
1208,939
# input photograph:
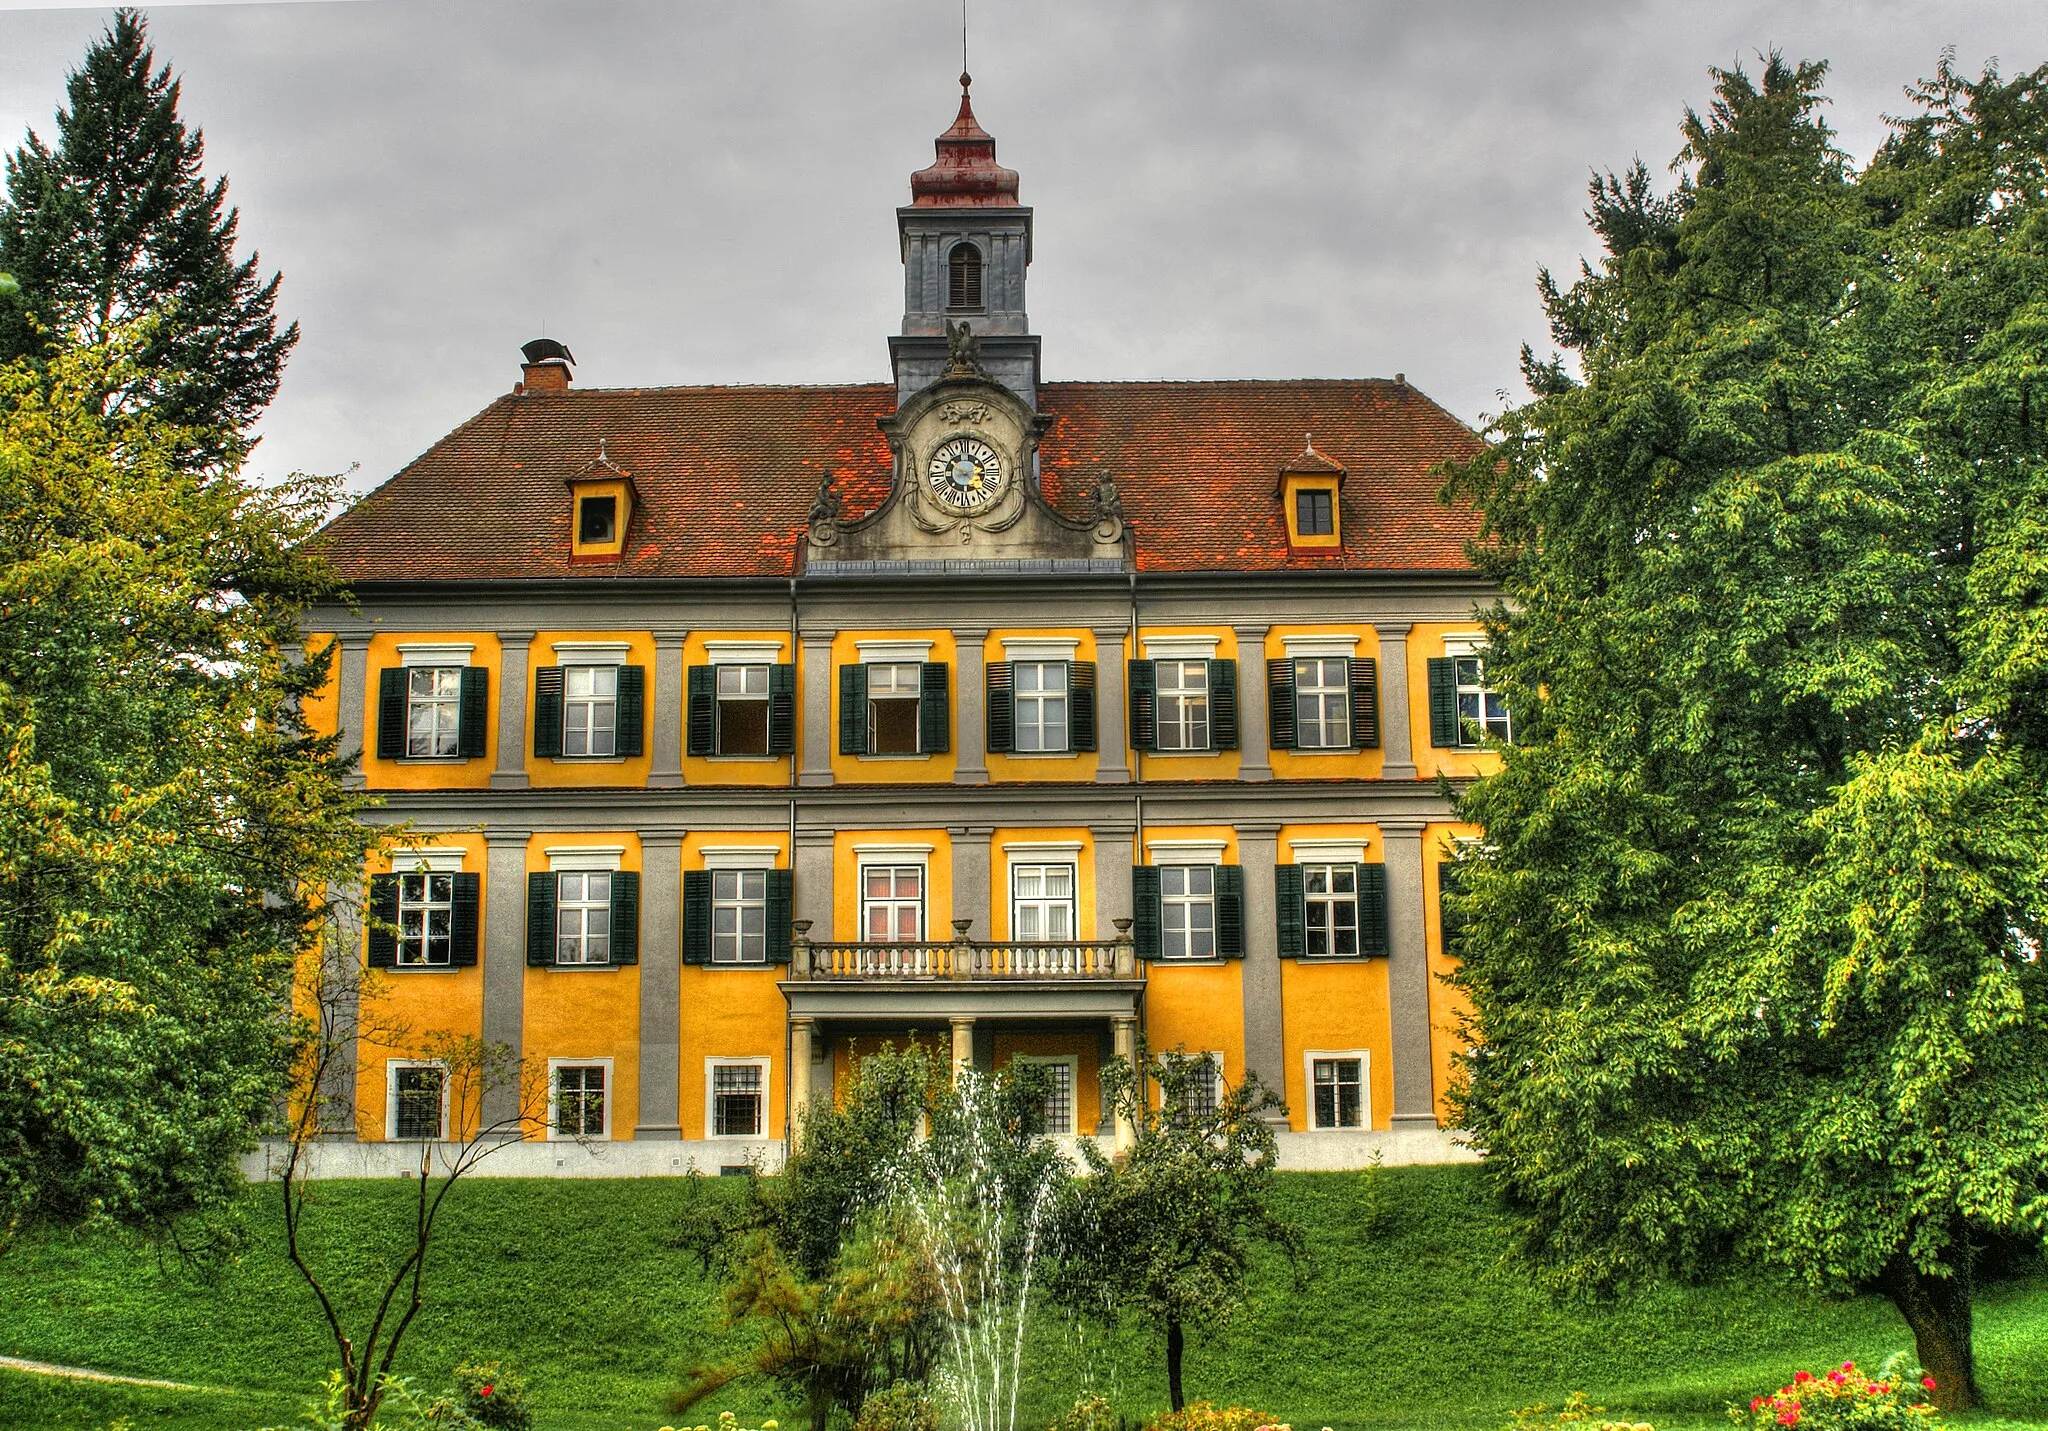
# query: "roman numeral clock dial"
965,474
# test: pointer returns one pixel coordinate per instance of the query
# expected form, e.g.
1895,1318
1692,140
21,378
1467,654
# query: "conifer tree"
117,223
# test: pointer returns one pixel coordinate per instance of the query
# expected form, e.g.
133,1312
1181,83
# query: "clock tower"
966,244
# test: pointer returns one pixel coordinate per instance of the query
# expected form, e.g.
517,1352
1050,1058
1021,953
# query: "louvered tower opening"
963,273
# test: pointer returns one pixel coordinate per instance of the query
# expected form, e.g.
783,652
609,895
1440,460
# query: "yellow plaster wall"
1323,765
471,774
756,770
1084,1047
545,772
1080,765
322,709
588,1013
1003,890
938,906
1219,765
731,1012
896,769
1425,641
1197,1008
1448,1006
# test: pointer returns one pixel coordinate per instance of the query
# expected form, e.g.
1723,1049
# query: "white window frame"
895,695
1486,699
1189,902
1310,1058
555,1067
582,859
590,702
1322,692
1331,898
1218,1083
711,1067
1040,701
742,672
1043,856
391,1069
924,896
446,709
740,902
1192,723
725,859
1072,1063
403,943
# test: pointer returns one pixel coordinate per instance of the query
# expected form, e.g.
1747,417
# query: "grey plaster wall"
970,706
1396,736
665,749
1408,975
351,694
504,959
971,891
1264,1045
661,1040
1254,737
510,773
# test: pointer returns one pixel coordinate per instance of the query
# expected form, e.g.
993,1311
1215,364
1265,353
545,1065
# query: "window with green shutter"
701,736
382,908
632,710
1230,911
782,709
391,709
1288,908
781,909
1081,682
476,711
1145,911
1222,704
547,712
1443,703
1365,703
1142,681
625,917
1280,703
934,712
463,940
1002,706
696,916
853,710
1372,910
540,919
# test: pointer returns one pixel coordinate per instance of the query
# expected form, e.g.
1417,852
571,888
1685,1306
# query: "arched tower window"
963,277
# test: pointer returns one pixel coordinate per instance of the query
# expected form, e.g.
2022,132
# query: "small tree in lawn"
491,1098
1165,1230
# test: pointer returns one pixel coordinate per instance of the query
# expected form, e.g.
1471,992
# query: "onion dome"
965,174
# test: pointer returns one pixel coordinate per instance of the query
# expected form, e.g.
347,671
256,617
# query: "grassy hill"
1416,1324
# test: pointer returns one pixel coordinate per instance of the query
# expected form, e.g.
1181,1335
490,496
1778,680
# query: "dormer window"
963,278
1314,513
1308,493
597,520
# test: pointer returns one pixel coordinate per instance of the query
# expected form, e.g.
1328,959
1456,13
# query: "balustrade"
964,958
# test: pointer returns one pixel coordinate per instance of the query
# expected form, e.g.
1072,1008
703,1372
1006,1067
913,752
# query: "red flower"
1837,1378
1790,1418
1928,1382
1848,1366
1802,1378
1755,1402
485,1389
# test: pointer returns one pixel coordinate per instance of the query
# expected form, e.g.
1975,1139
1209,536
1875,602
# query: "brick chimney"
546,369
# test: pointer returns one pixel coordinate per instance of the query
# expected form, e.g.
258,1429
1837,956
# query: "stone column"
661,984
971,878
970,706
818,696
504,961
510,773
802,1047
352,679
1124,1039
1112,737
665,765
963,1046
1253,741
1408,976
1114,856
1396,737
1264,1044
814,883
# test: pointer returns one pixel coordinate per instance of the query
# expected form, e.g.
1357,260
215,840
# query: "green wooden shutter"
1144,698
1372,909
702,737
782,709
1223,704
474,724
391,713
696,916
540,919
1450,922
781,906
462,921
1230,911
630,718
1289,907
1443,702
934,709
1002,706
1081,705
1365,703
625,916
547,712
1280,703
853,710
383,909
1145,919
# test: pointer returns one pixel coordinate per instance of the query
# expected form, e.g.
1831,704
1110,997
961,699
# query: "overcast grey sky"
692,192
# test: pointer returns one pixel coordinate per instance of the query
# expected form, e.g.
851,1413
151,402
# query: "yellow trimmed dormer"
1309,485
600,510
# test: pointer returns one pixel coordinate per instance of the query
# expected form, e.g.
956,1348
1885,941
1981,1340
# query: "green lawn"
1422,1326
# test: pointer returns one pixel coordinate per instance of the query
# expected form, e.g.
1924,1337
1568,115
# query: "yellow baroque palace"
742,729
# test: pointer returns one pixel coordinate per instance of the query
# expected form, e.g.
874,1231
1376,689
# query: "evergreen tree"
1753,945
118,224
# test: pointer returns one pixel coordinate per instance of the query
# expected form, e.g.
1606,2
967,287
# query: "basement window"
597,520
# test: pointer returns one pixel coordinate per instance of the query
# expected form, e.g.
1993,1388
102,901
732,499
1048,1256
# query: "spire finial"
600,451
1308,441
965,80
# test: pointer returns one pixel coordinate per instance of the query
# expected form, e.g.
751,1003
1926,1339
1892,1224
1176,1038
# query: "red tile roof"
725,477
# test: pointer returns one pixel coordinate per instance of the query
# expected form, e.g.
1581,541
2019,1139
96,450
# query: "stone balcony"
964,958
964,978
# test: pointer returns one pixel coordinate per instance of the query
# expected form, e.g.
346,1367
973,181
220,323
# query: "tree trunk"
1174,1345
1938,1311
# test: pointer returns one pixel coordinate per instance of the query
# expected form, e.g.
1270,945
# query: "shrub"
1846,1399
902,1407
492,1394
1577,1414
1090,1413
1205,1416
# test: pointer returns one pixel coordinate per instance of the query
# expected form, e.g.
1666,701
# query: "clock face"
965,474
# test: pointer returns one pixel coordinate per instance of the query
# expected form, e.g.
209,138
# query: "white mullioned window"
1481,713
1182,710
590,705
1330,909
894,689
1187,911
892,904
739,916
1204,1091
1322,703
1041,705
737,1094
433,711
1041,902
583,917
742,710
579,1106
1060,1070
426,913
416,1101
1337,1093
